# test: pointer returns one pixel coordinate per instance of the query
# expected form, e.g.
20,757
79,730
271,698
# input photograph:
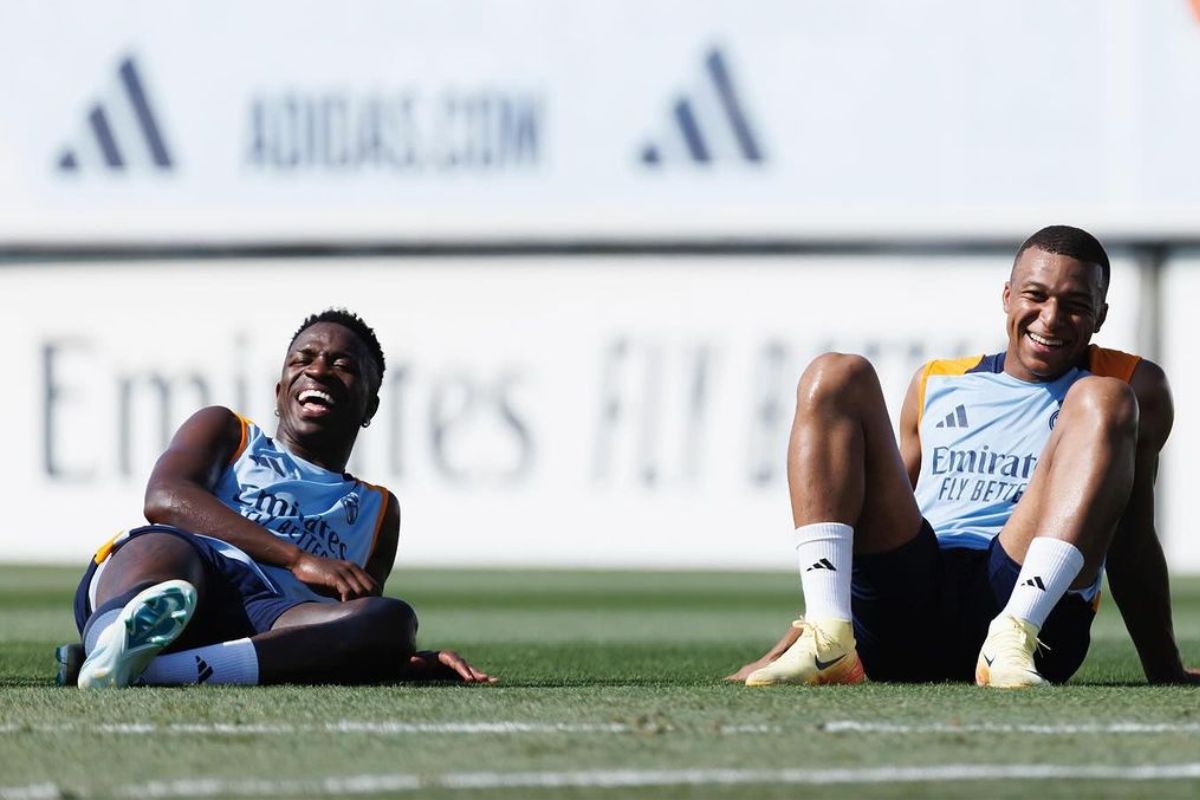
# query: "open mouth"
1045,342
315,402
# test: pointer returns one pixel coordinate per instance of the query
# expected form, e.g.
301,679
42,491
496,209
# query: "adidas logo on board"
707,125
121,130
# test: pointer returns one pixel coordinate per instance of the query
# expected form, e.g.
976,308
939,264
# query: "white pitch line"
468,728
376,784
36,791
350,726
1056,729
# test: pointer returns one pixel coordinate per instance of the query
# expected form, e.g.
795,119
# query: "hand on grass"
444,665
1185,676
745,670
789,637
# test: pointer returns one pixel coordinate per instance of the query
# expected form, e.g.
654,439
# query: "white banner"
1181,291
592,412
406,121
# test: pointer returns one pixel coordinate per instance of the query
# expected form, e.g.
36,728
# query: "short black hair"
347,319
1066,240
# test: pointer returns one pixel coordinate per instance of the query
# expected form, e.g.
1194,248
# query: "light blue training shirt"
982,432
328,514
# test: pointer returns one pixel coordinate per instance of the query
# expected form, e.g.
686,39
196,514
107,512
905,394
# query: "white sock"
97,626
227,662
825,551
1050,568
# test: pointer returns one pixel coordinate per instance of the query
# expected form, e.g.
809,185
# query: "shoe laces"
813,631
1017,639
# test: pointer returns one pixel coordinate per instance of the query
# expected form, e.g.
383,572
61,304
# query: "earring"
366,423
277,412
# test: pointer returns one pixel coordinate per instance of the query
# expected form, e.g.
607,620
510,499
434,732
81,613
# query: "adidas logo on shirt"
121,130
707,125
955,419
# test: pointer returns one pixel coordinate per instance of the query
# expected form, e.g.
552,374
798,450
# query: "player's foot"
1006,658
824,653
149,622
70,659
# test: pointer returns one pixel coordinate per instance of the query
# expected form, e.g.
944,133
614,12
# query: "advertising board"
406,122
619,412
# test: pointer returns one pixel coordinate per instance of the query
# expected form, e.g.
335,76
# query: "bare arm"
1137,569
180,493
910,440
380,564
180,489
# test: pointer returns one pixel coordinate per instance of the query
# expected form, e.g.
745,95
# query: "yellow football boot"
1006,658
824,653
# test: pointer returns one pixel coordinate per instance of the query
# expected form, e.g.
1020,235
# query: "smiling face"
328,388
1054,304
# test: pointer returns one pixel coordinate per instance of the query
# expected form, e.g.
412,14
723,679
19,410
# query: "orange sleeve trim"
383,507
942,366
1107,363
921,392
106,549
241,448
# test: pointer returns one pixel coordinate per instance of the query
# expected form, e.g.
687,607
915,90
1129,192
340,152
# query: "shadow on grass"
25,682
1111,684
591,683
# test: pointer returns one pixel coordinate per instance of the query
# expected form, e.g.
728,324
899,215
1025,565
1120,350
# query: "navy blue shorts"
236,601
921,613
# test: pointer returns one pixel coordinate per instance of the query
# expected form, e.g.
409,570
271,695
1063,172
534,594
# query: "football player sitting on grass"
975,549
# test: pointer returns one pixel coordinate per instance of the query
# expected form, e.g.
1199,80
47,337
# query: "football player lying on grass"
264,561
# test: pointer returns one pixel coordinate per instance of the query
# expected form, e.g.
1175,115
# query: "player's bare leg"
1083,477
375,636
148,559
843,462
146,596
1063,525
366,640
850,493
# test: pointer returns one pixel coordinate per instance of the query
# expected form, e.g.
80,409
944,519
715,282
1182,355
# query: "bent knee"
1108,404
836,375
157,544
158,556
389,617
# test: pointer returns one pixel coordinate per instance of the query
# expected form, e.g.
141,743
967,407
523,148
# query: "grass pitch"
610,689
